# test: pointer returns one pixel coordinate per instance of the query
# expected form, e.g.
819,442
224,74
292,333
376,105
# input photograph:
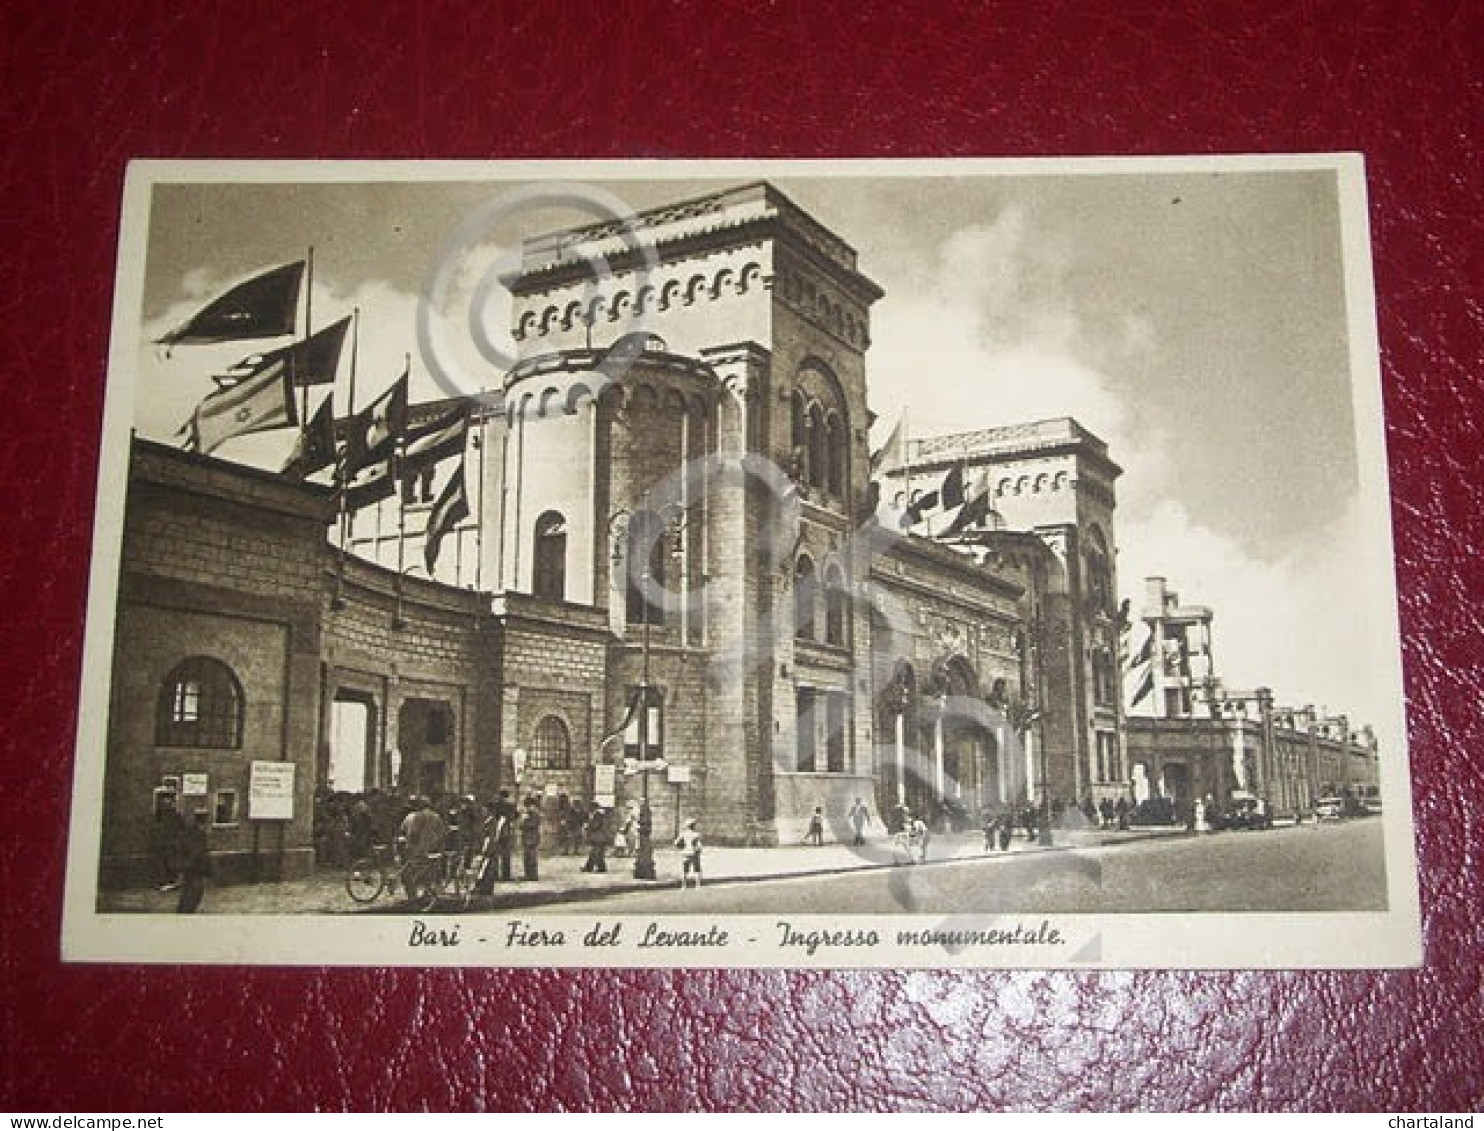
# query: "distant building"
1201,739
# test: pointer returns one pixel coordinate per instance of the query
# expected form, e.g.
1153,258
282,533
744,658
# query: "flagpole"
907,458
398,450
308,328
340,469
483,438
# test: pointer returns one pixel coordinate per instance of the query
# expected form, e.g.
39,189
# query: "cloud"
1305,624
993,336
170,385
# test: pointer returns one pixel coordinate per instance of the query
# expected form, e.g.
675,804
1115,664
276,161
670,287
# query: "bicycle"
440,874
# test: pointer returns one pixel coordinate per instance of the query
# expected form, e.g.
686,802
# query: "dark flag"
451,508
1146,652
262,307
372,433
370,484
951,493
976,510
315,448
1146,685
444,437
920,508
258,405
311,362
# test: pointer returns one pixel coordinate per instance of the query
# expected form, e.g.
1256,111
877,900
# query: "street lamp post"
644,852
644,868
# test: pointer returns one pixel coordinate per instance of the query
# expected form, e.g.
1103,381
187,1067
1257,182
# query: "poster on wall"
270,791
1000,551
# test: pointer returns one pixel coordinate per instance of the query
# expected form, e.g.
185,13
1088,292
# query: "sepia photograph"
979,563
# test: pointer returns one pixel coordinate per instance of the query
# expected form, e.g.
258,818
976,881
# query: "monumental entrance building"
684,576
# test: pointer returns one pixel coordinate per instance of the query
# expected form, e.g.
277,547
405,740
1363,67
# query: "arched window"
818,457
551,746
1099,574
836,603
799,439
645,569
834,457
200,705
550,575
804,598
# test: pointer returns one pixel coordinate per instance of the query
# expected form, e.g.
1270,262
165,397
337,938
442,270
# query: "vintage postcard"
798,564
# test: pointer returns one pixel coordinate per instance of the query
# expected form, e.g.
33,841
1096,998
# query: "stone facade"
673,563
1050,522
239,631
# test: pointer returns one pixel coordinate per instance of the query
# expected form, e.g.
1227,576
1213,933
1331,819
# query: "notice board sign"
605,780
270,792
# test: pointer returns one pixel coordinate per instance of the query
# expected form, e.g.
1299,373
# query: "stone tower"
683,451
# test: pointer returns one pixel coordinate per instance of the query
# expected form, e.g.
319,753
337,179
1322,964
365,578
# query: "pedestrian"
1121,810
860,817
815,834
919,835
165,836
1105,809
991,830
424,837
689,843
361,828
597,835
195,864
502,826
530,837
629,831
1006,829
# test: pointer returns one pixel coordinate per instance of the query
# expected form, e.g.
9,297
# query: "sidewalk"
562,879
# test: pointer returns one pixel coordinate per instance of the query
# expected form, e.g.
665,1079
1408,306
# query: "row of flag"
372,451
958,500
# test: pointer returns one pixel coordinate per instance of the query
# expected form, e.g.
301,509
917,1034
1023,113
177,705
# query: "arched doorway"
897,783
962,750
351,765
425,740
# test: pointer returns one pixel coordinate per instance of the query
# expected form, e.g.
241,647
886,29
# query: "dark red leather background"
87,85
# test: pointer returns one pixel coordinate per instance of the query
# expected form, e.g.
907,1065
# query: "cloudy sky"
1196,321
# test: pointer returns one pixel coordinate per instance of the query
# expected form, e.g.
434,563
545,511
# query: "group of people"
181,852
1108,814
485,838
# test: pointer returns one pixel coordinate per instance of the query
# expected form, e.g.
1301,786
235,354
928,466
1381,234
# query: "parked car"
1332,808
1246,813
1154,811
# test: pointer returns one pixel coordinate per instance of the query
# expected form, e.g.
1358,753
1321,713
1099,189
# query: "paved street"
1330,867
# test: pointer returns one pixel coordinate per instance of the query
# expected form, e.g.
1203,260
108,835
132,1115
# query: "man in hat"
195,864
597,834
530,838
424,835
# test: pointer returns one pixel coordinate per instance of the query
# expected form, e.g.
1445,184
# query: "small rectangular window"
226,807
808,724
187,701
835,738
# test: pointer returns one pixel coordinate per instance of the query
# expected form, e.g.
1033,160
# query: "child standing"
689,843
